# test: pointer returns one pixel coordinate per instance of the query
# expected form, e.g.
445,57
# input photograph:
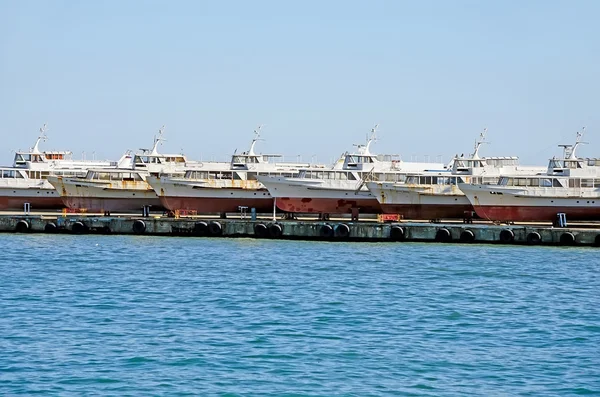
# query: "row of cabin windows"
248,159
509,162
359,159
336,175
37,174
37,158
574,164
431,180
532,182
551,182
114,176
138,160
226,175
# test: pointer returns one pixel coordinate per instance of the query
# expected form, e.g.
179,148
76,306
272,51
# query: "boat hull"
422,201
216,204
16,203
368,205
123,196
524,204
111,204
536,213
428,211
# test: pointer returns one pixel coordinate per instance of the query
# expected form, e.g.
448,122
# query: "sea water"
127,315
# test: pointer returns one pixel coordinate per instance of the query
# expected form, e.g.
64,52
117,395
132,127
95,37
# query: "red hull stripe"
526,214
93,204
206,205
41,203
419,211
327,205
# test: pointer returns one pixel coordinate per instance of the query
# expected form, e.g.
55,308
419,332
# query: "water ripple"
136,315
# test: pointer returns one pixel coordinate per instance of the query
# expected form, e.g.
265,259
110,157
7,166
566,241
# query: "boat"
342,188
224,187
570,186
435,195
24,185
120,189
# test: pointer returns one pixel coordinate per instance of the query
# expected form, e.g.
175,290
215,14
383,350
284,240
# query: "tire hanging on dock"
507,236
342,231
275,230
567,238
200,229
326,231
50,227
261,230
397,233
79,227
467,236
139,226
534,238
215,228
443,235
22,226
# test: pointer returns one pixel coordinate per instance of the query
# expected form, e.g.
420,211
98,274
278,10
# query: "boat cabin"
120,175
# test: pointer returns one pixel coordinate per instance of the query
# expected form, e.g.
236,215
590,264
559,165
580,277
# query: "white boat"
26,181
224,187
341,188
120,189
570,185
436,195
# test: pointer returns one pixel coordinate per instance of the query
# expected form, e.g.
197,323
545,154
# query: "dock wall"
306,230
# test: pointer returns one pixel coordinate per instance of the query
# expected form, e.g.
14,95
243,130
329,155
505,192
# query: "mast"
478,144
41,137
158,140
365,149
256,138
569,150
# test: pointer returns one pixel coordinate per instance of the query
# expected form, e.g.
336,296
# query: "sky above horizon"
107,75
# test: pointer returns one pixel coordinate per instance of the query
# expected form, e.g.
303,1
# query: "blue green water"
123,315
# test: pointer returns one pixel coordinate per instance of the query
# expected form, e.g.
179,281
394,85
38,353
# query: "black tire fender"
507,236
261,230
397,233
275,230
50,227
342,231
139,226
22,226
443,235
79,227
534,238
467,236
326,231
215,228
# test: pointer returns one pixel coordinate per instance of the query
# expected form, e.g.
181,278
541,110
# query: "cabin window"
574,183
587,183
103,176
251,176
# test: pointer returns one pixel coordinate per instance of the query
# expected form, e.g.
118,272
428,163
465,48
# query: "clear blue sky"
105,75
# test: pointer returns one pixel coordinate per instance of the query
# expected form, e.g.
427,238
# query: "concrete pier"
340,230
